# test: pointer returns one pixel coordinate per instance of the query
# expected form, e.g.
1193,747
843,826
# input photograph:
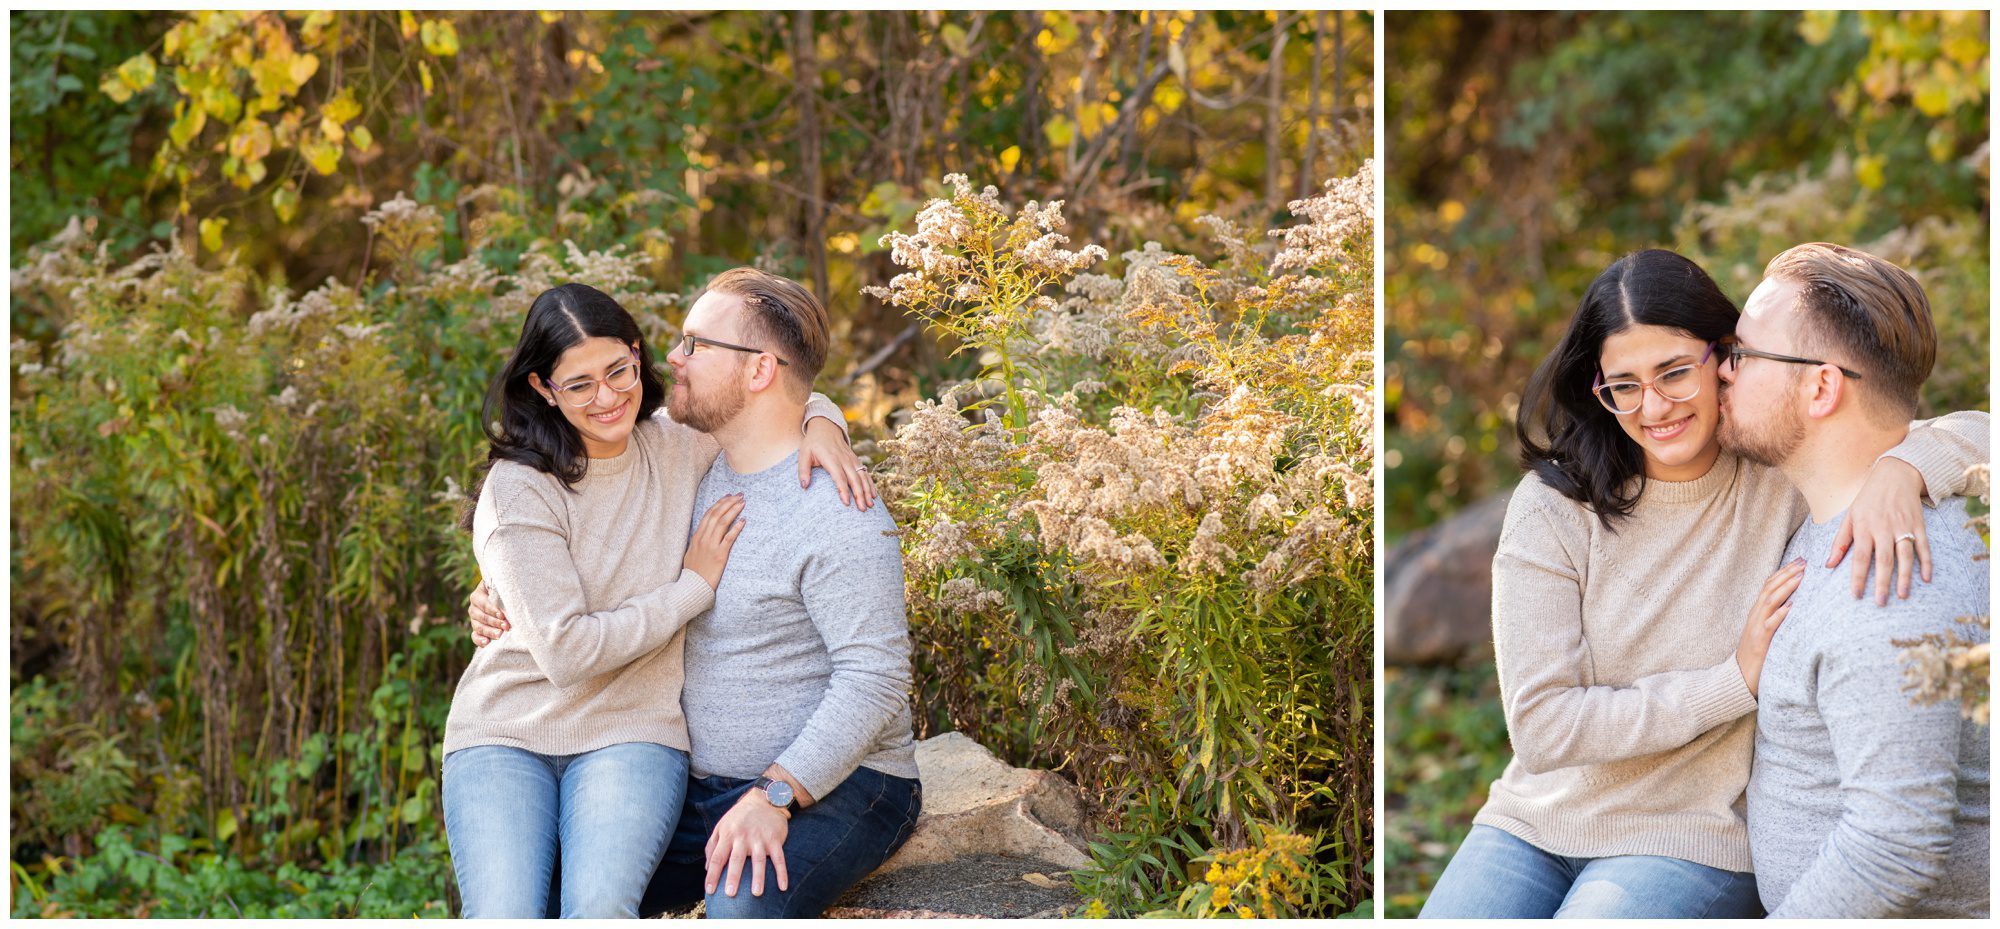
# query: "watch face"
780,793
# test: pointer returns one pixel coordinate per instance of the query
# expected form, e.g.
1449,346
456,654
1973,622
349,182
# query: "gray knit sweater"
805,658
1863,803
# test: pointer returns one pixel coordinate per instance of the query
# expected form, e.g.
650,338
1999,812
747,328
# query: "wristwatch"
779,793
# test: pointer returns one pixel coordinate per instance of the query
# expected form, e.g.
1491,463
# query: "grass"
1445,741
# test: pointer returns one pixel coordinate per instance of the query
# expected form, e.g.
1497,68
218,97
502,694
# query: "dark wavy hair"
529,430
1567,437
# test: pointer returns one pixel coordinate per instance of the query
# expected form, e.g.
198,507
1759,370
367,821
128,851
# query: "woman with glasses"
566,735
1632,610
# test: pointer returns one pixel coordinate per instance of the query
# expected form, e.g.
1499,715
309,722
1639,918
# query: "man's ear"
1825,389
763,373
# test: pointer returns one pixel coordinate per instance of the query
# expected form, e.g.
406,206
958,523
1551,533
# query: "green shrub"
235,522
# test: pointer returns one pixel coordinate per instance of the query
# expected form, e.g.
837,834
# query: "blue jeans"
610,812
829,847
1498,876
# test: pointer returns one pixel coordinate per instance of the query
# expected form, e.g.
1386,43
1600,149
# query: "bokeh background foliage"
1528,151
264,264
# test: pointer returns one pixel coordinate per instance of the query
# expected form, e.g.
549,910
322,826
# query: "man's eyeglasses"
1737,353
1676,385
688,343
582,392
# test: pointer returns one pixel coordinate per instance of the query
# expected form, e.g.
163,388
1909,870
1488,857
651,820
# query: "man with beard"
804,775
1861,802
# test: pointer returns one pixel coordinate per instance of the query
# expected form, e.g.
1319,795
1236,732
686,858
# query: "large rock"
1437,591
976,804
990,886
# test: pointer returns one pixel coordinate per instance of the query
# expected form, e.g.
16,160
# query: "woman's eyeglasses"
688,343
582,392
1676,385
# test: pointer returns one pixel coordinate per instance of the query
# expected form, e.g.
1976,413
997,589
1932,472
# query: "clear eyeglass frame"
1664,384
581,393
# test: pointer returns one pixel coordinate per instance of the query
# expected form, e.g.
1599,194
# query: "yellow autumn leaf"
362,139
187,125
342,108
1059,130
1816,26
138,71
1942,142
1089,120
1931,95
324,156
332,130
211,239
112,86
424,73
440,38
1868,169
287,130
302,69
250,140
314,25
549,17
285,203
1010,158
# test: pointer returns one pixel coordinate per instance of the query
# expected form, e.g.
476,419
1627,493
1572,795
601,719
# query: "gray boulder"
976,804
1437,590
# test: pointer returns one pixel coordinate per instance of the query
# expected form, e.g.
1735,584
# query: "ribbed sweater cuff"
688,596
818,774
1720,695
1942,476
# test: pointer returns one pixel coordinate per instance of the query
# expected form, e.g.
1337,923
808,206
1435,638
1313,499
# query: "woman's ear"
535,381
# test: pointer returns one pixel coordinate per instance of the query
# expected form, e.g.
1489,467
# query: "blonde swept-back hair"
785,318
1870,313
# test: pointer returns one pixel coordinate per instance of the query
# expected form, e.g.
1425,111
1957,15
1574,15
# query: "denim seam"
1720,890
910,813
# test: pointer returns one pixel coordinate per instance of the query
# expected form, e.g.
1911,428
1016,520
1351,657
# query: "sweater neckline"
1719,476
616,464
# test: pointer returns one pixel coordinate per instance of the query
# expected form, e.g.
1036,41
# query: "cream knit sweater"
595,597
1630,721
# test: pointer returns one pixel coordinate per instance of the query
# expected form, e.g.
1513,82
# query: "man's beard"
704,412
1770,443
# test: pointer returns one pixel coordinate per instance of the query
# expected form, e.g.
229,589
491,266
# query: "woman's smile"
611,416
1668,431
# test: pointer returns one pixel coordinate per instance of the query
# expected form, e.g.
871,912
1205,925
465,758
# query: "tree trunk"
805,70
1309,158
1274,157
